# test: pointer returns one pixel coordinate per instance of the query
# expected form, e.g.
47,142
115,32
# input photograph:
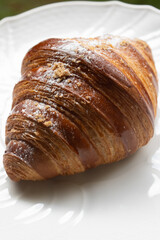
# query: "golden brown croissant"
80,103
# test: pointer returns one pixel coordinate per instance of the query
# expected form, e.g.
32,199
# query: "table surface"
12,7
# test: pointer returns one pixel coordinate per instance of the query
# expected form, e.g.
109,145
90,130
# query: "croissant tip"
18,170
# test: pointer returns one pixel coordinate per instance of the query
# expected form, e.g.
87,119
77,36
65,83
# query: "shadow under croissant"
129,177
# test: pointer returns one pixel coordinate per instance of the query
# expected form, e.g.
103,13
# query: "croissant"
80,103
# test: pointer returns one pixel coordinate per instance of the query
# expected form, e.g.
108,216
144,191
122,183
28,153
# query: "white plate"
118,201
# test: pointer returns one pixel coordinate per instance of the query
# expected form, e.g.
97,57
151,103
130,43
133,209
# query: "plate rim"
78,3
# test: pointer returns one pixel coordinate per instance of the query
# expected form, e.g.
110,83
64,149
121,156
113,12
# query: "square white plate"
120,201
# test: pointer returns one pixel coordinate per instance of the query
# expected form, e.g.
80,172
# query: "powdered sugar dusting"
39,112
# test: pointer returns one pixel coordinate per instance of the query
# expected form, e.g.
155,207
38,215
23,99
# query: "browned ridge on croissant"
80,103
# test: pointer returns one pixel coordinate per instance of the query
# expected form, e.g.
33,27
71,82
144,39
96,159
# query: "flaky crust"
80,103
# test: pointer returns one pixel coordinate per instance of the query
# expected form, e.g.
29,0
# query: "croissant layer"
80,103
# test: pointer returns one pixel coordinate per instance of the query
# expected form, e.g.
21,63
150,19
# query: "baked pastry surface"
80,103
